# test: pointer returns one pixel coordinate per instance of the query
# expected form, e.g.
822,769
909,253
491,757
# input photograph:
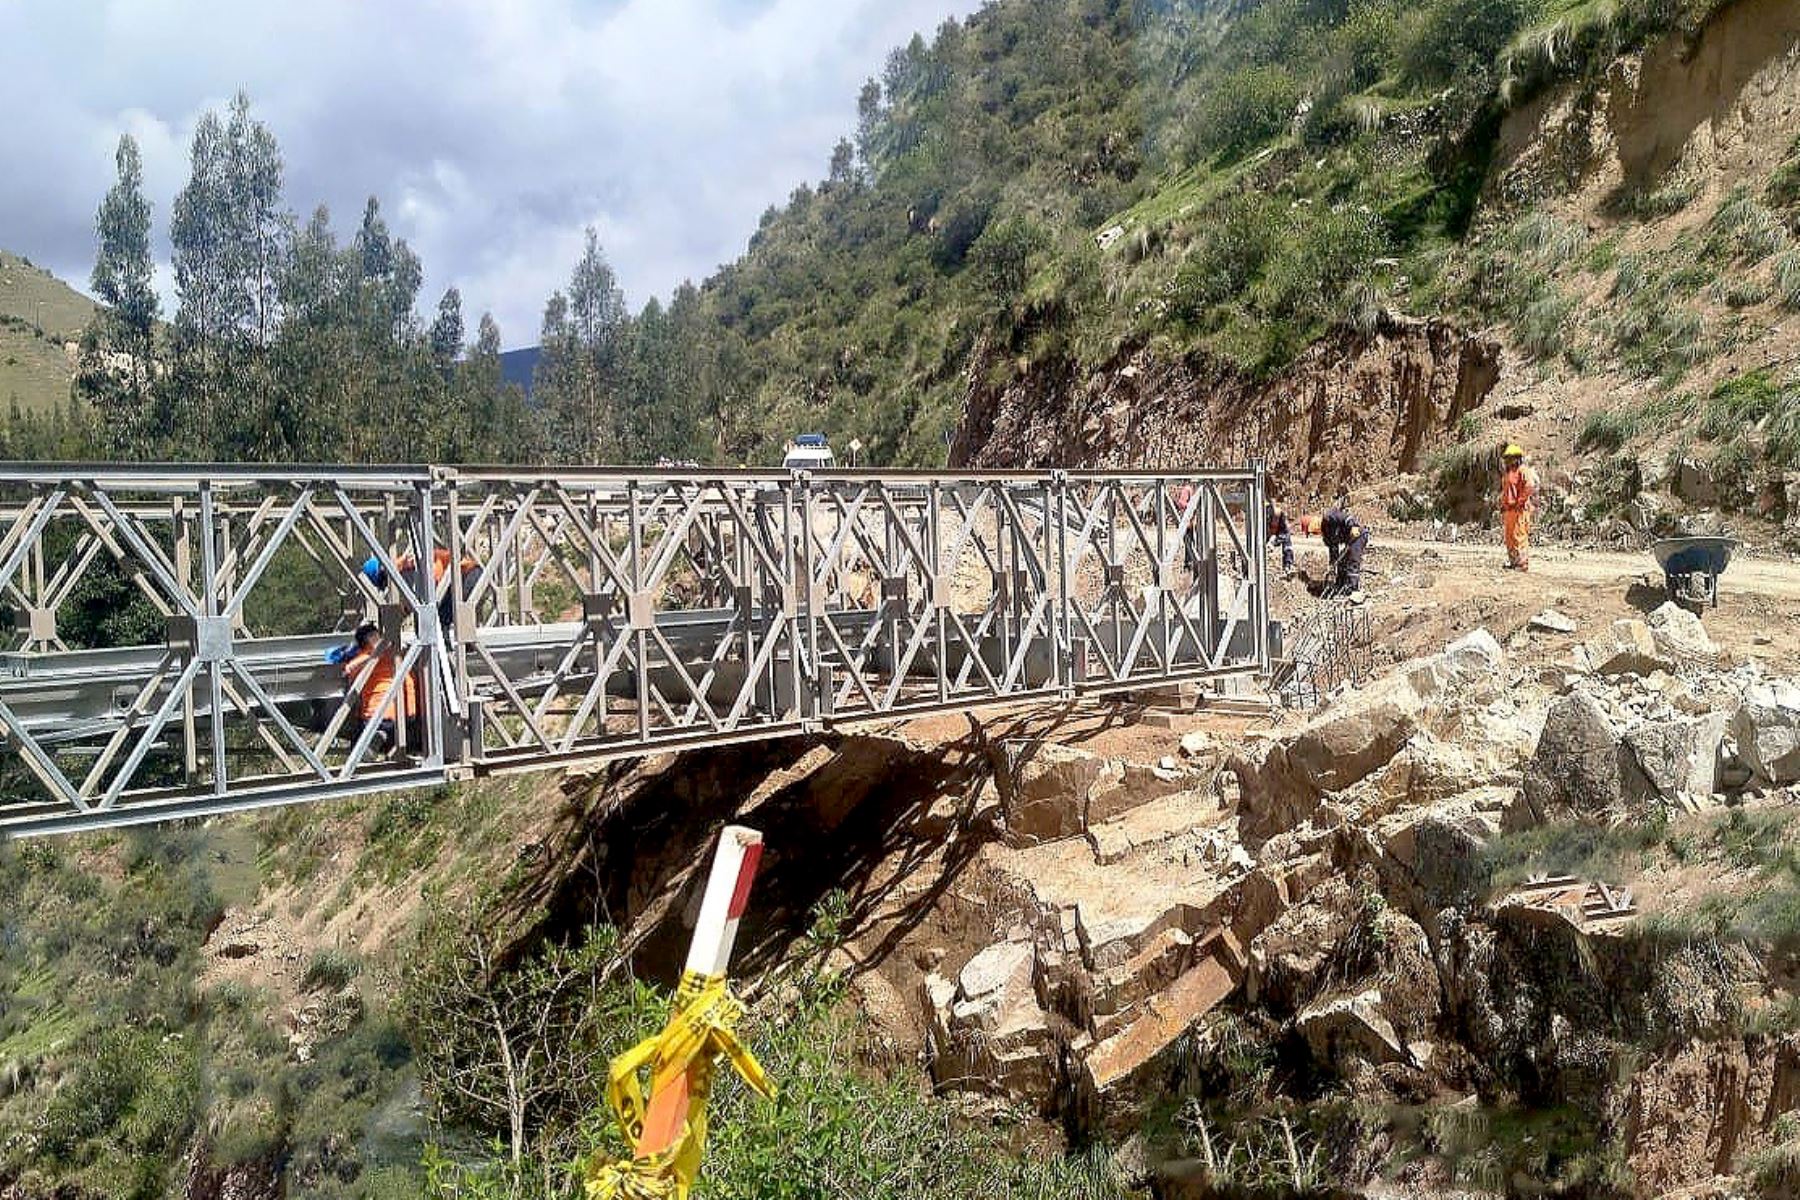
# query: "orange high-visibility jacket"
377,686
440,562
1518,487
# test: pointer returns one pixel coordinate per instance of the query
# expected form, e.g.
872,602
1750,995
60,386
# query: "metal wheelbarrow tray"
1692,566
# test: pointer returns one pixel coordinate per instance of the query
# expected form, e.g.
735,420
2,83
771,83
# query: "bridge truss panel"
170,650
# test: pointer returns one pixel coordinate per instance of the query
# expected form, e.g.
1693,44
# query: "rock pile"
1332,874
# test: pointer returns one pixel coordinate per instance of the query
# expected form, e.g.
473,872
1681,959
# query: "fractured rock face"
1045,794
1050,791
1110,1066
987,1031
1767,731
1680,756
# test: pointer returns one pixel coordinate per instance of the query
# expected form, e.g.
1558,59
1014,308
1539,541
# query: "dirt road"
1762,577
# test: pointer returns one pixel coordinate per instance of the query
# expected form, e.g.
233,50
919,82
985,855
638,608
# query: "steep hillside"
40,316
1087,232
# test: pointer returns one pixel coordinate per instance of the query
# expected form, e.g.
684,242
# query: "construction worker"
1346,541
1518,499
1183,498
378,659
1281,534
440,563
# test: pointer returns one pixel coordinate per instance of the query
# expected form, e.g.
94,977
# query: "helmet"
372,569
1512,451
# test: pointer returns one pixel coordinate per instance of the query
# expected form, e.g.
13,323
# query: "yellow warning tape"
701,1031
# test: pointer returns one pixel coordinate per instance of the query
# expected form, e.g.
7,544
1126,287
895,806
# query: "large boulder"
1350,1027
1678,634
1767,731
1694,480
1627,648
1582,767
1680,756
1282,782
1045,790
988,1033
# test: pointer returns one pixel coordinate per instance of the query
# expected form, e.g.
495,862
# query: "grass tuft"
1744,230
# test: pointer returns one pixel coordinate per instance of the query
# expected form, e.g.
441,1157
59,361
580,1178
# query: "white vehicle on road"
809,452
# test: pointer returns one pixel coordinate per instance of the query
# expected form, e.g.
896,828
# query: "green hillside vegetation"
1047,183
38,314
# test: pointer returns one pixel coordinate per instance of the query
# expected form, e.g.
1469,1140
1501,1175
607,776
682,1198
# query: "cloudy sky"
493,131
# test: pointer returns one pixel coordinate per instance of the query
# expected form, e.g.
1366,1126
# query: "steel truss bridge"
171,624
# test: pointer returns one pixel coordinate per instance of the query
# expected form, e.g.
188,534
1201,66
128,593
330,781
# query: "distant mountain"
518,366
40,316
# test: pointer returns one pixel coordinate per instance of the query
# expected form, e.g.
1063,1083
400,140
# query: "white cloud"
493,133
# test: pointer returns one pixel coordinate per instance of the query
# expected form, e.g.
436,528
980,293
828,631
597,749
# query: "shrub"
1322,255
1000,259
1668,196
1786,276
1784,185
1740,291
1226,259
1630,279
1463,37
1546,243
1655,335
1758,399
1362,45
1607,429
1243,110
1541,328
330,970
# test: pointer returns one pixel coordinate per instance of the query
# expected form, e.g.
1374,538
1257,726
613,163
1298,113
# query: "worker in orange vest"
468,568
378,659
1518,500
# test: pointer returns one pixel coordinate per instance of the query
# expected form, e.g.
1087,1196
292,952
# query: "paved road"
1764,577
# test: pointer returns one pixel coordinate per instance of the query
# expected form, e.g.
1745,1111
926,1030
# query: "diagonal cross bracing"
609,613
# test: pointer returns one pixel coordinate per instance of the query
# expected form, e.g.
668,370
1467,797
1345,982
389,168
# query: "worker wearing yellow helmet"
1518,500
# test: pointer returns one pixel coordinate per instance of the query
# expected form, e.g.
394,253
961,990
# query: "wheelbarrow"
1692,566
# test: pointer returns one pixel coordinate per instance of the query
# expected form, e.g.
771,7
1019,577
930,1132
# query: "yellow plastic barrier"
669,1128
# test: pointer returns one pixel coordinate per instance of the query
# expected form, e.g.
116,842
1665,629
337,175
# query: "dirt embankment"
1716,108
1353,408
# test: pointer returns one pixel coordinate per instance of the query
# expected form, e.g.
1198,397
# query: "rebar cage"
173,627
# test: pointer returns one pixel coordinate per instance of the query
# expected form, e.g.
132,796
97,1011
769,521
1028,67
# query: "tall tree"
583,345
499,422
398,401
122,280
230,238
314,357
261,230
446,335
204,316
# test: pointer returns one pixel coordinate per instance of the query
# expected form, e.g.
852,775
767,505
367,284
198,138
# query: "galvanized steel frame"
616,613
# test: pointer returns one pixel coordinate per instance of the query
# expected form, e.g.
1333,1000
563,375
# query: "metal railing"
172,624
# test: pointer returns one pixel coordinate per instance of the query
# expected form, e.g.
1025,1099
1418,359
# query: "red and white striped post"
721,910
